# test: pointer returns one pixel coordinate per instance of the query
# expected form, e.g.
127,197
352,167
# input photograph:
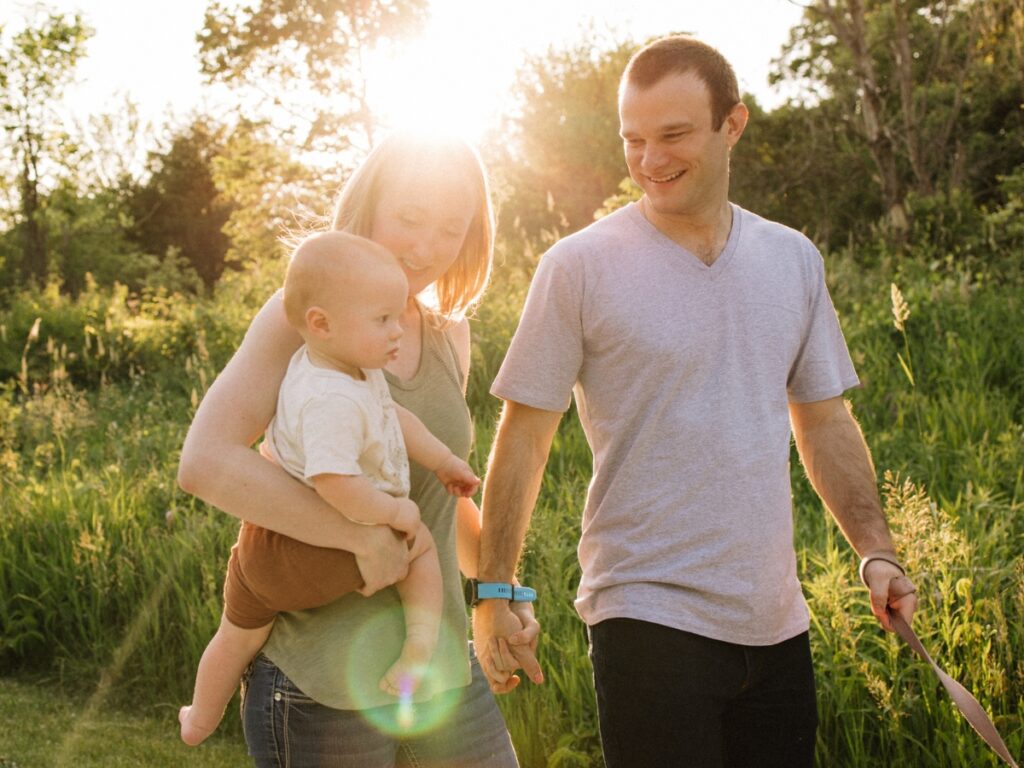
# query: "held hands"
891,592
505,639
457,476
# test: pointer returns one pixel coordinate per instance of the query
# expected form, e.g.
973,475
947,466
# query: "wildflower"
900,310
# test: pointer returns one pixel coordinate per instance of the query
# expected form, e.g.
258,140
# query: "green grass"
45,728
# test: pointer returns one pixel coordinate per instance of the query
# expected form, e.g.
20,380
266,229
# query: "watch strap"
499,590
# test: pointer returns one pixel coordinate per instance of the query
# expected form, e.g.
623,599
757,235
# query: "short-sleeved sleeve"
543,361
333,435
823,368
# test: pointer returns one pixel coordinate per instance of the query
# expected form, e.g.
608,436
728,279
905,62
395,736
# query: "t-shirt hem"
592,615
506,393
813,397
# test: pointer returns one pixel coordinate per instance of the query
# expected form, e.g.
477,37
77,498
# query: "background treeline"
905,129
132,259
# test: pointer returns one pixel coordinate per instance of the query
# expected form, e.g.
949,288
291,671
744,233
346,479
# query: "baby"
338,430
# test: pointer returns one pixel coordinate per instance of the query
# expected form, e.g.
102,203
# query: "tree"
35,66
311,48
797,165
179,210
559,156
904,73
269,192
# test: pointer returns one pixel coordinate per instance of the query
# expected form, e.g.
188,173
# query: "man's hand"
457,476
384,560
891,591
505,639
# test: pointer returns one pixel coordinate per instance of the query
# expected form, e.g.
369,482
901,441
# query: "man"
695,336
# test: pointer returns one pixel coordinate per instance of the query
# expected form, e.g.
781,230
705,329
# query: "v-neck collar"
684,256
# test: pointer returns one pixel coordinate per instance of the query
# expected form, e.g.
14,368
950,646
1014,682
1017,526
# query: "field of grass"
110,576
47,728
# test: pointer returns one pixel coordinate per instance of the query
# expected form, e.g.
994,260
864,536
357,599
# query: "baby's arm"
356,494
428,451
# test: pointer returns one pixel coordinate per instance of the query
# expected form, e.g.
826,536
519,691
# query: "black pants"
668,698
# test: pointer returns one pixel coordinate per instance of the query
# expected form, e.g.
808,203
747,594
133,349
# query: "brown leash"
963,699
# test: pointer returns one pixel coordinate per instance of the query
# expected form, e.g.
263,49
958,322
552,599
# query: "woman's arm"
218,465
467,536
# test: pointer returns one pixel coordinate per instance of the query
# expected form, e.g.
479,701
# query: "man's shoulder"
758,226
778,242
608,232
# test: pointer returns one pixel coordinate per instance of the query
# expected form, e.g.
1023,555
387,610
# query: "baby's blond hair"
328,262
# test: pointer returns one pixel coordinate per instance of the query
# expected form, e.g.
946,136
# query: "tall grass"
110,577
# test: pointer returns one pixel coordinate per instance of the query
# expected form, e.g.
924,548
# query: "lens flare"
374,649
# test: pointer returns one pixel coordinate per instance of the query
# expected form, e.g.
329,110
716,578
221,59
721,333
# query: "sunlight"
437,83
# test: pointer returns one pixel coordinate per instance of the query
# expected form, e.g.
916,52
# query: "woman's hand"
383,558
406,518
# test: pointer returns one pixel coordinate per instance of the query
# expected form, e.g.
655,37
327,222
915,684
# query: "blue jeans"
284,728
672,698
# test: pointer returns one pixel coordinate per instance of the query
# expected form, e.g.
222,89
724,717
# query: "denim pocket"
286,689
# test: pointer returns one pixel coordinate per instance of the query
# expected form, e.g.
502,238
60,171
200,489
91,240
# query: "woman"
311,698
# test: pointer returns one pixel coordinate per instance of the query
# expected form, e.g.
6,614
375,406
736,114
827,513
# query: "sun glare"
437,83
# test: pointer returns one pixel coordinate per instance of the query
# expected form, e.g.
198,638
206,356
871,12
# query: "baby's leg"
220,669
422,599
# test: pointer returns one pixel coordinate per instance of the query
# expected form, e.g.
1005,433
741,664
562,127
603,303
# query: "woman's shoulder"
270,330
453,335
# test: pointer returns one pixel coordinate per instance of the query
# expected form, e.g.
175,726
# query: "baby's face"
364,318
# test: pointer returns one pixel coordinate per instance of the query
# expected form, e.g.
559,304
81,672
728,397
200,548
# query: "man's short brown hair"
682,54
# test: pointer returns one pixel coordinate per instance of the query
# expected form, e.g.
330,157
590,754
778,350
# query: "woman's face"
423,219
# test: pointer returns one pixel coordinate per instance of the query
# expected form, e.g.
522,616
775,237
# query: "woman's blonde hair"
460,288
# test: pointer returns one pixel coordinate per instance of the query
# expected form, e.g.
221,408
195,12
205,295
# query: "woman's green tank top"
337,654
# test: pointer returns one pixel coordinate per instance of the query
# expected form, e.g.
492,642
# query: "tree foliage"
179,212
911,78
36,64
558,155
307,54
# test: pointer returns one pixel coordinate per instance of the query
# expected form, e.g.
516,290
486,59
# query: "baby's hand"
457,476
407,517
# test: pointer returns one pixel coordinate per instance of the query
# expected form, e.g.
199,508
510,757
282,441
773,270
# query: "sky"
147,50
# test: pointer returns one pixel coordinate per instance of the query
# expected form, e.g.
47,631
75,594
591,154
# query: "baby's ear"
317,321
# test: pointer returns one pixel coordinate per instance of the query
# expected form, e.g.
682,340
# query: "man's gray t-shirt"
682,374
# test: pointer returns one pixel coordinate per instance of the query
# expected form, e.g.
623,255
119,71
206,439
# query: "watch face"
469,590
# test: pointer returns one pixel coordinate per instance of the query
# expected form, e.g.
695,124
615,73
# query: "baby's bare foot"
408,672
192,733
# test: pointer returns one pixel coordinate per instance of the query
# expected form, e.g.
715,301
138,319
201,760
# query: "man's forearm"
514,474
839,466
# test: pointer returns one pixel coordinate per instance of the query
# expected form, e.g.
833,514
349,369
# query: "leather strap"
881,554
963,699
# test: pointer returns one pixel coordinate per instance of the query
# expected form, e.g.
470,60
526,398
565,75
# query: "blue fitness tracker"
501,590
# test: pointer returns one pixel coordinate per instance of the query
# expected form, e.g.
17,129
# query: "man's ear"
317,322
735,122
